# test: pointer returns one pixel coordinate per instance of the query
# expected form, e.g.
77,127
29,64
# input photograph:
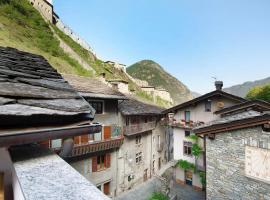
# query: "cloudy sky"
193,40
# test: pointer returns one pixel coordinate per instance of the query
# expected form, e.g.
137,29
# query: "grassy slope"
22,27
155,75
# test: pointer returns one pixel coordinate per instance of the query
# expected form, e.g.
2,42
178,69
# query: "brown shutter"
45,143
106,188
84,139
94,164
107,132
77,140
108,160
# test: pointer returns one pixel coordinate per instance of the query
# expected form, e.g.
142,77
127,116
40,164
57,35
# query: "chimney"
219,85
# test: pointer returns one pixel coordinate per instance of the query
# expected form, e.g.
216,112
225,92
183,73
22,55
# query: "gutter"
27,137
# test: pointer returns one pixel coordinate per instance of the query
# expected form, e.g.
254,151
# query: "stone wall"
69,32
44,7
225,165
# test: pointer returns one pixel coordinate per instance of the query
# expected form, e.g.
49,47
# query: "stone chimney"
219,85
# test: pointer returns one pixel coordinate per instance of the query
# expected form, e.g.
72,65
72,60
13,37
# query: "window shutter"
107,132
77,140
108,160
84,139
94,164
45,143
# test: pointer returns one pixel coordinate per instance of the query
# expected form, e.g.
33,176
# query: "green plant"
158,196
259,92
194,138
196,150
185,165
203,178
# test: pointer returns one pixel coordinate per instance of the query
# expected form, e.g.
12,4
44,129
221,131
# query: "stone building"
45,8
95,156
142,153
119,66
120,85
238,154
180,122
37,104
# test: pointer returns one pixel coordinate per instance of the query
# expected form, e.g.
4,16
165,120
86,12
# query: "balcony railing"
139,128
180,123
92,147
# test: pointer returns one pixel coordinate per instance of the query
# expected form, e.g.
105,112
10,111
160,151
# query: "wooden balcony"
83,149
180,123
139,128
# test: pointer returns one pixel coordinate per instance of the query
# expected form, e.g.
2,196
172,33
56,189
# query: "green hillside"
22,27
155,75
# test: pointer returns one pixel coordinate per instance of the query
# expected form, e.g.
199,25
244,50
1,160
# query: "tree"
259,92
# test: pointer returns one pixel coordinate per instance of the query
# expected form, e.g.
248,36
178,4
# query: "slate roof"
257,105
234,121
29,86
135,107
205,97
93,88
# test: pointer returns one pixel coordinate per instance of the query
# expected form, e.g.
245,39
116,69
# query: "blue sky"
192,39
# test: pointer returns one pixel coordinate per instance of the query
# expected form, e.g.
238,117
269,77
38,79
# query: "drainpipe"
67,147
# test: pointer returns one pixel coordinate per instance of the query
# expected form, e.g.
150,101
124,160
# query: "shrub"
259,92
158,196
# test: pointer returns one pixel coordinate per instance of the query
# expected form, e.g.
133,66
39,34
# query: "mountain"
155,75
242,89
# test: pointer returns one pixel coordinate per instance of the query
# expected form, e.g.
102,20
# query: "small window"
187,116
101,162
138,139
97,105
188,148
208,106
187,133
138,157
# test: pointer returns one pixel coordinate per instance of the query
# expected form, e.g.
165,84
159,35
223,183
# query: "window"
99,187
138,157
187,133
187,148
208,106
56,143
97,105
101,162
187,116
138,139
105,188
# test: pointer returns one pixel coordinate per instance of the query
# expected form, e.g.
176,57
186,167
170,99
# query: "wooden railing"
1,186
102,145
139,128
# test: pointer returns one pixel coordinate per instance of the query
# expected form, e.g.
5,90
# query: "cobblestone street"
144,191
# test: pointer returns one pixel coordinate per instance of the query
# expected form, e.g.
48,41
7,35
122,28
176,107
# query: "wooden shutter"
107,132
45,143
106,188
94,164
77,140
84,139
108,160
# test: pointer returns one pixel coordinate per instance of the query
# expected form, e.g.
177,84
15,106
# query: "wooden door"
107,132
106,188
145,175
84,139
188,177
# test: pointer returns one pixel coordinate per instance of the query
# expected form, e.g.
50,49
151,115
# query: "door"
106,188
145,175
188,177
107,132
159,163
